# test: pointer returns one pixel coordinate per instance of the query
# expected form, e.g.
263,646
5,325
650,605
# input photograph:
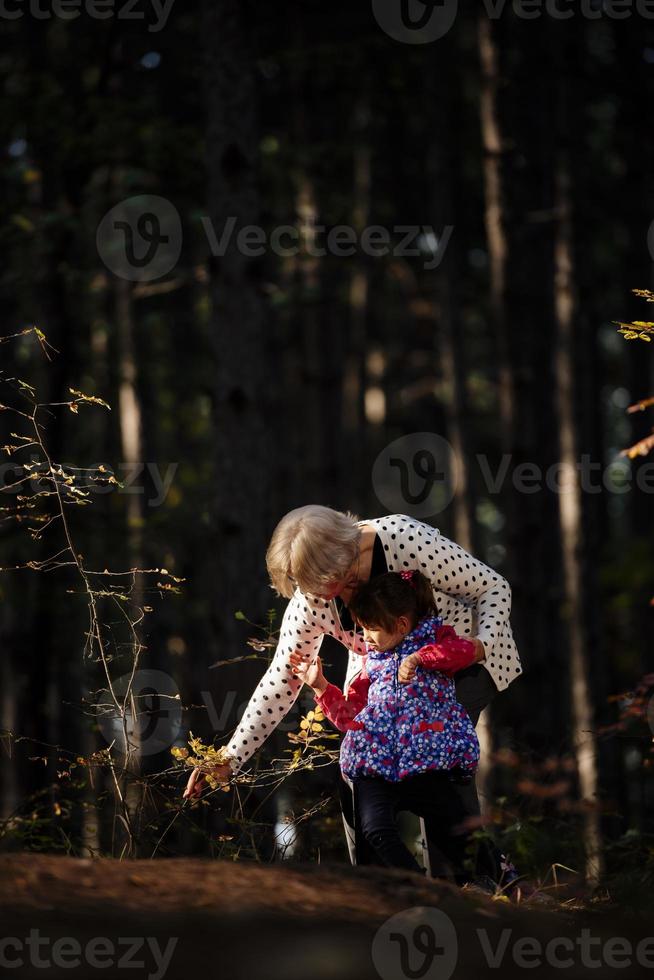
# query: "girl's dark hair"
380,602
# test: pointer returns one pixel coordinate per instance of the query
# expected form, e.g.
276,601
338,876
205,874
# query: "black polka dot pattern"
471,597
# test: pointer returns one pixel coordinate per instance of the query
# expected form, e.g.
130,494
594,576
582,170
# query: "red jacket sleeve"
449,653
342,709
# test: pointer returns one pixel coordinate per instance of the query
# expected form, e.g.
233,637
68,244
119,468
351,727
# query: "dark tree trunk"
241,489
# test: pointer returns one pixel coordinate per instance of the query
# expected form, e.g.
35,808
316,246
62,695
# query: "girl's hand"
197,781
407,669
310,674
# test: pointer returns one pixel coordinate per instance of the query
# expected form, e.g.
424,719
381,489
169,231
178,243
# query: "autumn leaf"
641,448
91,399
641,405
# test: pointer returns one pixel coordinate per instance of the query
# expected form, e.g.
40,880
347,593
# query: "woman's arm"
279,687
455,572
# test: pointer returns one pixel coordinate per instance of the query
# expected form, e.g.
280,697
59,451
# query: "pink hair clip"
408,577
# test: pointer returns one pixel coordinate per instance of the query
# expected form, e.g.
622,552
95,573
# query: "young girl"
407,738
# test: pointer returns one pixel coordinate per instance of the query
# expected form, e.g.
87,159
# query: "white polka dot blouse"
470,596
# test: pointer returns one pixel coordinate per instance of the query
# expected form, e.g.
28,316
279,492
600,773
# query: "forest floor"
186,918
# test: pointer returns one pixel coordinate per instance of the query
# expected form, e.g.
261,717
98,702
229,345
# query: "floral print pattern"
409,728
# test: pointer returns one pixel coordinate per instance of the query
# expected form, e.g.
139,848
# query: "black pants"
431,795
475,689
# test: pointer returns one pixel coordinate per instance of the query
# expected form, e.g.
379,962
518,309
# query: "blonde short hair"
312,547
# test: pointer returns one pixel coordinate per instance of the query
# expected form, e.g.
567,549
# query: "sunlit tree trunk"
130,421
310,342
497,246
492,146
360,405
444,192
570,514
129,414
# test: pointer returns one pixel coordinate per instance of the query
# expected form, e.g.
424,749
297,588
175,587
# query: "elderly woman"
318,558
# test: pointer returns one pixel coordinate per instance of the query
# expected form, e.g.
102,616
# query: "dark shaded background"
276,381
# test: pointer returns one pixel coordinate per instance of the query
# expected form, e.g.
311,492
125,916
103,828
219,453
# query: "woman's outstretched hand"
310,674
197,781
